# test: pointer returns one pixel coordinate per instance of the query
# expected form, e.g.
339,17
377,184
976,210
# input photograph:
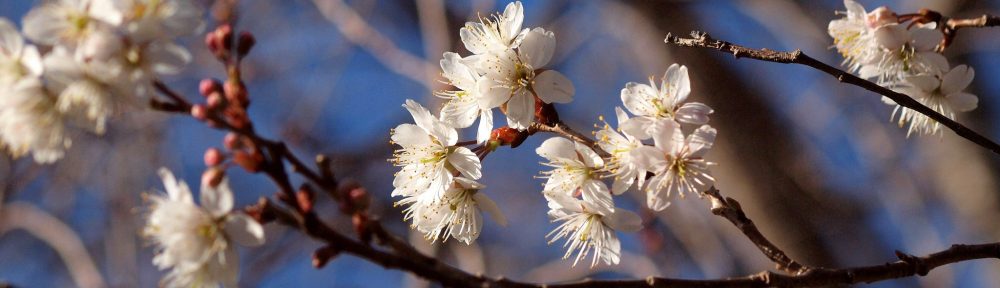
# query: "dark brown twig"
702,40
731,210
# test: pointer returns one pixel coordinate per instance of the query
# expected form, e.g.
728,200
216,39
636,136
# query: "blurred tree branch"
703,40
57,235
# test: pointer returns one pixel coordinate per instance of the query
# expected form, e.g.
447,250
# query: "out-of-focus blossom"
195,242
941,92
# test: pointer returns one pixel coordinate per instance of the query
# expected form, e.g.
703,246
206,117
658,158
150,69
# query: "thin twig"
730,209
952,25
702,40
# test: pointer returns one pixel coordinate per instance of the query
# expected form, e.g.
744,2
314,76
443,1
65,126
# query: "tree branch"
57,235
702,40
730,209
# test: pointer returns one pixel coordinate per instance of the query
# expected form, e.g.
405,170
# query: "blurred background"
816,164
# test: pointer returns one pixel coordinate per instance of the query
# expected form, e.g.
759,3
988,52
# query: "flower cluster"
506,70
576,192
195,241
879,45
102,55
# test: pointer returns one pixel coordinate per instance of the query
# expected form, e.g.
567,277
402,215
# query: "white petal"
553,87
485,126
176,190
638,127
242,229
622,116
459,113
409,135
45,24
649,158
700,141
933,61
667,135
637,98
446,135
11,42
168,58
590,158
457,72
677,82
217,200
963,102
924,82
622,183
557,149
693,113
491,94
520,111
925,39
487,205
623,220
466,162
656,198
537,47
892,36
514,14
597,197
957,79
472,41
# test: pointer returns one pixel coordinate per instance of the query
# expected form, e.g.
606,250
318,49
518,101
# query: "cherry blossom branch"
703,40
950,26
731,210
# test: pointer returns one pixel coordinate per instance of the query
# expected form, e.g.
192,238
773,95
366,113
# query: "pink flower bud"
246,42
213,157
208,86
214,100
232,141
199,112
212,176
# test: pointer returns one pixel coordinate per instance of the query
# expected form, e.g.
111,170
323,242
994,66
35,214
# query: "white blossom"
29,121
17,59
575,172
853,35
589,229
159,19
650,104
904,52
67,22
195,242
84,94
621,165
941,92
428,155
677,163
468,103
511,78
458,214
501,32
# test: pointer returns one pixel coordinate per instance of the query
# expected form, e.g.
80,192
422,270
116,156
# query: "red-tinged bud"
236,92
232,141
545,113
509,136
214,100
323,255
213,157
220,41
360,222
212,176
237,117
246,42
305,198
199,112
247,161
261,212
207,86
359,198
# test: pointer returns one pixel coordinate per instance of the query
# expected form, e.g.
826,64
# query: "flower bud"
208,86
236,92
212,176
509,136
213,157
261,212
199,112
305,198
323,255
247,161
360,223
232,141
214,100
246,42
359,198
